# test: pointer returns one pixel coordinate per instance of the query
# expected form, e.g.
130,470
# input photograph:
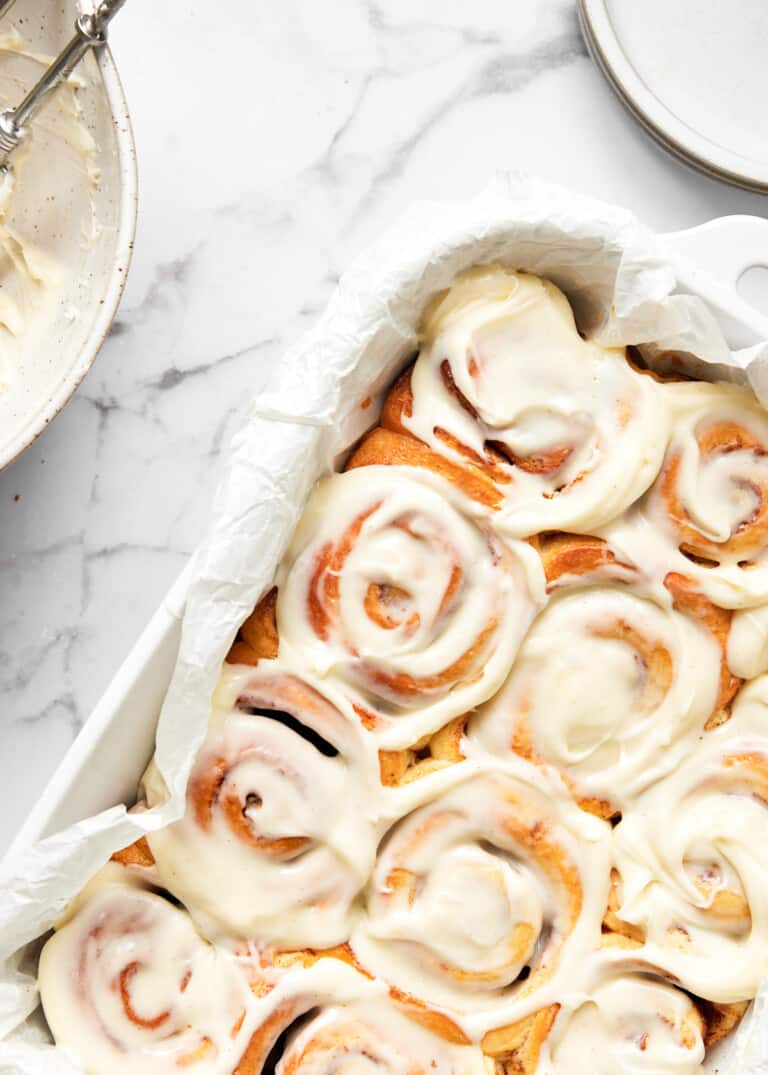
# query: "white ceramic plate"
694,73
39,383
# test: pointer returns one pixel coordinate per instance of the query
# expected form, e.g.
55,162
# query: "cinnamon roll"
129,986
374,1037
410,611
480,899
275,807
709,506
569,432
610,688
692,860
628,1020
570,559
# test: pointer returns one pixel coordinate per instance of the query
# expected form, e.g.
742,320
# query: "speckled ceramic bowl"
42,378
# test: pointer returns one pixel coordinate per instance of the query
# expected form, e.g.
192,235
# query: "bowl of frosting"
67,222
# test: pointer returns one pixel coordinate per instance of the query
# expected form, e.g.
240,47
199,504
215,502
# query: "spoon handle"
90,32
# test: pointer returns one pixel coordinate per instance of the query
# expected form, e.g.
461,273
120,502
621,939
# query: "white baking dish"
105,762
605,262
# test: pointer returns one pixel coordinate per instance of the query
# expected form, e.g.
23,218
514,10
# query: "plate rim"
659,121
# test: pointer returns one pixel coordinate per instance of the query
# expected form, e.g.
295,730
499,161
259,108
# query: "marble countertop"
329,120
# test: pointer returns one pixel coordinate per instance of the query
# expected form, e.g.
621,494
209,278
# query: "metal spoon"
90,32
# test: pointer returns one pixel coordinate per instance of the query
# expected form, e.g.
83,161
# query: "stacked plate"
694,73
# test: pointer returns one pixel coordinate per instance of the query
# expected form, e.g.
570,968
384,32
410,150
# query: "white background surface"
725,60
273,143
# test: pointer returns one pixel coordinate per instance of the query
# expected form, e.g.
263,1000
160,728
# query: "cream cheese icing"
748,642
46,207
629,1022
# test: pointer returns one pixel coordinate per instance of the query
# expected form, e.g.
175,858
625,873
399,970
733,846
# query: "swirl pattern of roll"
411,610
275,804
708,509
692,859
481,898
128,986
568,431
612,734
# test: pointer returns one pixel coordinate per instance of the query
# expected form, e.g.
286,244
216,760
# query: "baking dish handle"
724,248
711,258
